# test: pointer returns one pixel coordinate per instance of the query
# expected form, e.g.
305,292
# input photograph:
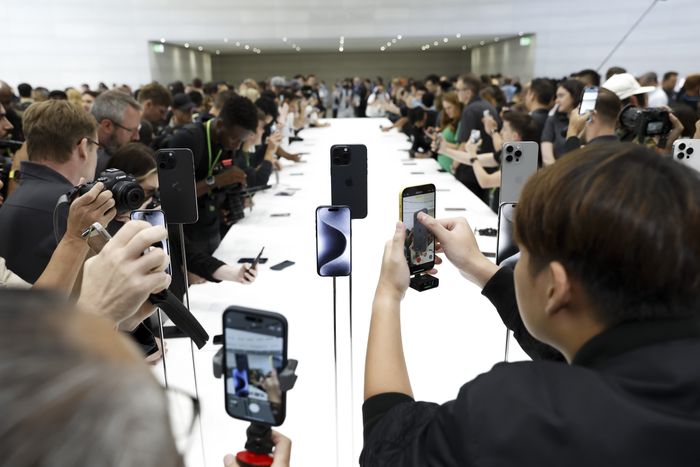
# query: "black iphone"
178,188
333,241
255,354
349,178
507,251
420,243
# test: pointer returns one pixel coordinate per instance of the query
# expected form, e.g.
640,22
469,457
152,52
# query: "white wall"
57,43
178,64
507,57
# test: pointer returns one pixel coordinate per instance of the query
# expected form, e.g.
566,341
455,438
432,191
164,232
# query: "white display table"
451,334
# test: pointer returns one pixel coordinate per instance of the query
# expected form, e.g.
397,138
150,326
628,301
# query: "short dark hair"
416,114
210,88
196,98
24,90
156,93
669,74
471,82
544,90
607,106
650,272
522,124
592,75
433,78
197,83
614,70
268,106
239,111
573,87
134,158
57,94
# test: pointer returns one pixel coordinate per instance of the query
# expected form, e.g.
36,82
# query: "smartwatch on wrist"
210,181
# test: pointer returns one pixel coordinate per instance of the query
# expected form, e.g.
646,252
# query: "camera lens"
681,146
681,155
518,153
509,148
128,196
690,151
509,158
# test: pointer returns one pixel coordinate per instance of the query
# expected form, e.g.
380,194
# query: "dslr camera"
128,195
643,123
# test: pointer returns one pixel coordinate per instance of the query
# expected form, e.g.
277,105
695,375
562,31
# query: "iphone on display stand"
333,241
518,163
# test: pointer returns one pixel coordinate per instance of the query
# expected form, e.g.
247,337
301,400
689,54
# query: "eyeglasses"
127,129
96,143
183,412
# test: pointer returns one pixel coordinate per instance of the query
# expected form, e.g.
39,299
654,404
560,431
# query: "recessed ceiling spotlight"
200,48
298,49
382,48
458,35
521,34
482,43
342,38
340,49
496,39
218,52
393,41
238,44
399,37
294,46
427,46
284,39
445,40
247,47
435,43
388,44
464,47
162,40
226,39
187,45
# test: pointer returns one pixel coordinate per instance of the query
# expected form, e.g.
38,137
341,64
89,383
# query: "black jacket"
630,397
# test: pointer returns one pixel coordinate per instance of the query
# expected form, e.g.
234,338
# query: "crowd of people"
610,319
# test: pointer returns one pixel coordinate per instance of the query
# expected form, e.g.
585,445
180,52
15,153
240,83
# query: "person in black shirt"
255,158
598,126
212,143
554,133
538,101
155,100
608,281
62,147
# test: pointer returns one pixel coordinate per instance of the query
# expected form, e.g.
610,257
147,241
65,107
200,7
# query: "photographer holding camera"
623,310
62,147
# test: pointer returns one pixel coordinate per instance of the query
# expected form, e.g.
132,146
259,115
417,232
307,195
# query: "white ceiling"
236,45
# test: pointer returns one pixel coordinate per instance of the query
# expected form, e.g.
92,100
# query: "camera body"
646,122
128,195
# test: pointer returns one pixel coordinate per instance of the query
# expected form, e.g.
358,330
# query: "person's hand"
676,129
274,141
281,456
577,123
119,280
456,239
242,274
395,276
472,148
490,124
277,165
232,176
194,279
697,130
94,206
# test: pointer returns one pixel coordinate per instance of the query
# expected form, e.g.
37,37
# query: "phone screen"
420,243
333,233
155,217
590,96
507,250
256,353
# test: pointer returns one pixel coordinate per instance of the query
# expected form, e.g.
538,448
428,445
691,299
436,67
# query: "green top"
450,137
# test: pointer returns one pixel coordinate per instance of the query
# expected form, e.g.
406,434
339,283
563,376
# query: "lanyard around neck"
218,155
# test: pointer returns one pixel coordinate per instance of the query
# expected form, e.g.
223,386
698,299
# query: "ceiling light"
482,43
340,49
298,49
247,47
458,35
200,48
382,48
496,39
393,41
427,46
238,44
445,40
342,38
388,44
399,37
226,39
294,46
162,40
218,52
464,47
521,34
435,43
187,45
284,39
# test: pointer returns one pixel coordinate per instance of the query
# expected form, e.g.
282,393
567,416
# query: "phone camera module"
509,148
681,155
509,158
341,156
167,161
518,153
681,146
689,151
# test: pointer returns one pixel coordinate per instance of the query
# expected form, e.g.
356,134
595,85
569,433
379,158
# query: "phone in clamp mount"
419,247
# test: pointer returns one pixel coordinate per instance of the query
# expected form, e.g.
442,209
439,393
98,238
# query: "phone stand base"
258,447
423,282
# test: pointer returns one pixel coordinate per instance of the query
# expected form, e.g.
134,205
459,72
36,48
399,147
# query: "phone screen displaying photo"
333,241
155,217
420,243
590,96
255,357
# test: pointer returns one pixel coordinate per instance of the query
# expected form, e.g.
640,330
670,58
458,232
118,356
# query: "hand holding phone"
419,247
257,260
155,217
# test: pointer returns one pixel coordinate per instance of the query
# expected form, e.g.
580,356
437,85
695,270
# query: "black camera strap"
180,316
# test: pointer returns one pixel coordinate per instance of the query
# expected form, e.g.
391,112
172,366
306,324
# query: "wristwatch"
210,181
